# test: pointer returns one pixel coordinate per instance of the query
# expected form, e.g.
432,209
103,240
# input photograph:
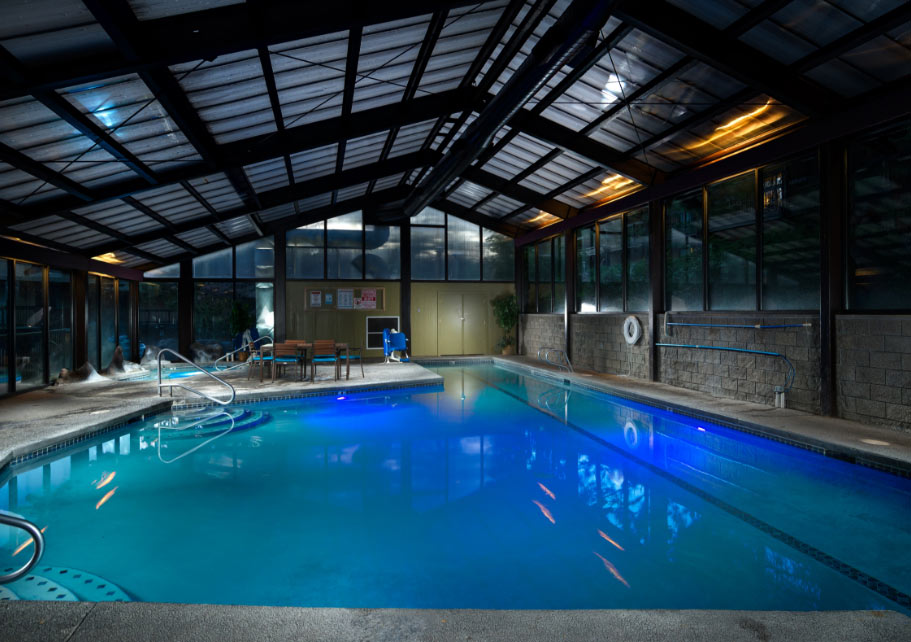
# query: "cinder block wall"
749,377
873,369
598,344
541,331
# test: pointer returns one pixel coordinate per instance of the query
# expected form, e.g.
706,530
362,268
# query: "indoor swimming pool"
499,490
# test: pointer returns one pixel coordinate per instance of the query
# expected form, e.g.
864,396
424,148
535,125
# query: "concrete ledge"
141,621
890,450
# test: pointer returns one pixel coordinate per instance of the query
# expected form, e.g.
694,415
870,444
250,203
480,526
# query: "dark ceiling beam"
148,211
432,35
65,257
556,47
284,195
704,42
886,22
265,60
565,138
554,193
517,192
354,51
268,146
256,223
223,30
472,216
874,109
21,161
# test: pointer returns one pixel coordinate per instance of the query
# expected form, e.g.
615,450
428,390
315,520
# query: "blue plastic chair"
395,342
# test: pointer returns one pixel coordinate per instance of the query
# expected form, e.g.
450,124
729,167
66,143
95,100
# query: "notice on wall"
367,300
345,300
328,298
316,298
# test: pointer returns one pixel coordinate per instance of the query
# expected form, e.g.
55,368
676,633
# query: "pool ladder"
171,386
563,363
243,348
37,538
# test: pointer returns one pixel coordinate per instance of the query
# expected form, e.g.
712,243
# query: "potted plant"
241,320
506,312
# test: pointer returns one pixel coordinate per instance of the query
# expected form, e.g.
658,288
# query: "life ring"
631,434
632,330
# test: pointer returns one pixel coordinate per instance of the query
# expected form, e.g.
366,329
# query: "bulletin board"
343,299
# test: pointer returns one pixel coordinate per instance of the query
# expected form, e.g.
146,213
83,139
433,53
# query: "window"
305,251
610,264
375,327
637,259
499,261
108,316
731,215
531,297
29,323
586,270
344,247
545,276
212,306
427,258
683,255
93,291
216,265
256,259
4,324
60,321
879,221
123,318
382,249
158,315
790,235
463,242
166,272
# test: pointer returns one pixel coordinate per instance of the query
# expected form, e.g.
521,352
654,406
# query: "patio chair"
324,352
284,354
354,354
257,356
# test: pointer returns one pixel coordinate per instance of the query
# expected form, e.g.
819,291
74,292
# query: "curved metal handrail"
568,366
37,538
190,427
240,349
171,386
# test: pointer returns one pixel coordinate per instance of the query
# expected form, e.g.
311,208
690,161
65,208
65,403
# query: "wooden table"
302,347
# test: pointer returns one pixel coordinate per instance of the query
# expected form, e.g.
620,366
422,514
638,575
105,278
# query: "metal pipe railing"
568,366
755,326
789,377
37,539
241,349
171,386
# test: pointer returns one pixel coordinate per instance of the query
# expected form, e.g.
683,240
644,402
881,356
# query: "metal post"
833,193
405,283
185,300
656,281
279,290
569,287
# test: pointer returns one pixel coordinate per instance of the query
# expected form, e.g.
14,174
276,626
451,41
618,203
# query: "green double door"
461,323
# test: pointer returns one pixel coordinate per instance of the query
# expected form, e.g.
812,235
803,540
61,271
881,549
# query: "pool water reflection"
500,491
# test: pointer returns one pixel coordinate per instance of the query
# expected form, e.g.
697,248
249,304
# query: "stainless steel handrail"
190,427
171,386
546,358
241,349
37,538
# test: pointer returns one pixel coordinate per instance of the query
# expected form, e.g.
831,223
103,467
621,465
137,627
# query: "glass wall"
60,321
158,315
427,259
637,260
216,265
382,251
499,263
683,256
463,242
610,265
30,320
92,294
530,264
559,274
108,321
790,235
879,220
586,270
731,210
545,276
256,259
344,247
305,251
124,312
4,326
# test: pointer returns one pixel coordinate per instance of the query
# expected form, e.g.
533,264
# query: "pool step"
218,423
58,584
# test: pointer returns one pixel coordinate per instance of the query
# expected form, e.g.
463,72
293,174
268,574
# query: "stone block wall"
873,369
744,376
598,344
541,331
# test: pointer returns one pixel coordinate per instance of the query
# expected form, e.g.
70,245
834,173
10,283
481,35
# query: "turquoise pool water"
499,491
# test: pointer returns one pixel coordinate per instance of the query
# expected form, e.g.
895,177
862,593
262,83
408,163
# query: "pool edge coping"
841,452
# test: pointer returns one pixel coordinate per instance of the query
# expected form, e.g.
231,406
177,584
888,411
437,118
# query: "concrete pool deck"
137,621
37,419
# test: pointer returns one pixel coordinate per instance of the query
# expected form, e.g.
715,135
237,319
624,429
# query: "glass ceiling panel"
387,56
464,33
126,259
774,41
229,95
867,11
20,187
314,202
469,193
533,218
354,191
310,77
882,58
120,217
235,227
46,30
314,163
411,138
218,192
364,150
815,21
718,13
173,202
161,248
842,78
279,211
500,206
55,228
387,182
152,9
200,237
267,175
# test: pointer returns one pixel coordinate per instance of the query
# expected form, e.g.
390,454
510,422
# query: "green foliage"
506,312
241,319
